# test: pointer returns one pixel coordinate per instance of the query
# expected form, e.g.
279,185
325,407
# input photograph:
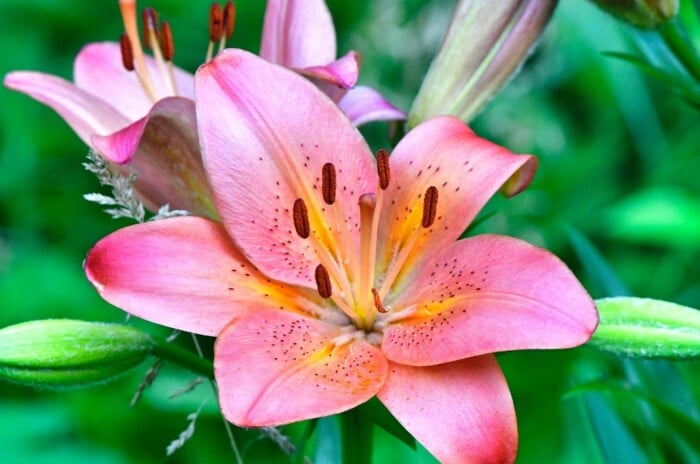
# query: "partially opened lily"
299,34
144,115
333,277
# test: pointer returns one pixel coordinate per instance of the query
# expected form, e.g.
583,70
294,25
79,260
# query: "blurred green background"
619,163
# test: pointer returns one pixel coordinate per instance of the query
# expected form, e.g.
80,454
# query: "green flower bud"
484,45
645,14
62,353
642,327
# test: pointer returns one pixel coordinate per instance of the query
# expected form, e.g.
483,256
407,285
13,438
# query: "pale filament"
345,257
128,11
165,70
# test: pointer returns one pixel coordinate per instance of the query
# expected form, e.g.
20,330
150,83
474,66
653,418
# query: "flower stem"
356,438
681,48
182,357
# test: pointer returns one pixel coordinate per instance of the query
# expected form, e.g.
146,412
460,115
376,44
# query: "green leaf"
657,216
598,271
375,412
643,327
673,421
678,82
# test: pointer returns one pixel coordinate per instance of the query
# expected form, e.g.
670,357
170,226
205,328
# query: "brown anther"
328,183
149,22
323,282
229,18
378,302
127,52
167,46
430,200
383,168
216,22
301,218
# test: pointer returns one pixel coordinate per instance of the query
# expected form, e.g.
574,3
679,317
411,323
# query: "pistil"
368,252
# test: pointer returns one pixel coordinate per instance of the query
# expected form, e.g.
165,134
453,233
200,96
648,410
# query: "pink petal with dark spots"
466,170
275,367
488,294
183,273
266,134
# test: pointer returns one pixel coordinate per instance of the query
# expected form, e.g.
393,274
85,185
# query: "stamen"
166,41
378,302
301,218
430,199
127,54
216,28
149,22
216,22
229,18
429,206
323,282
383,169
328,183
128,11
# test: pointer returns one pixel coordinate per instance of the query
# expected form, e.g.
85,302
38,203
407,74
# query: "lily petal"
298,33
281,143
363,104
337,77
487,294
181,272
466,169
274,367
98,69
84,113
163,149
461,412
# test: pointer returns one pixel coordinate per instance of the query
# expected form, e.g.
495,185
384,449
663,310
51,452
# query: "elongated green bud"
642,327
485,44
63,354
645,14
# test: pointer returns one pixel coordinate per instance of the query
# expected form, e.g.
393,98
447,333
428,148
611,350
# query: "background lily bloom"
333,278
149,111
299,34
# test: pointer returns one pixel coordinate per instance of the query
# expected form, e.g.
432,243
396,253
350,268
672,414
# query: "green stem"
356,438
681,48
182,357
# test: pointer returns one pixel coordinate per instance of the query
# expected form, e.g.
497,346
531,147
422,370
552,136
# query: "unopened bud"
642,327
63,353
485,44
645,14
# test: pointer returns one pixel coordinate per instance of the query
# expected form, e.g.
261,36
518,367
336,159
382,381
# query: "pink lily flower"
146,118
333,277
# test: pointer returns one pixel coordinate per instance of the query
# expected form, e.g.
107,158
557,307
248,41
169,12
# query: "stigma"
363,291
